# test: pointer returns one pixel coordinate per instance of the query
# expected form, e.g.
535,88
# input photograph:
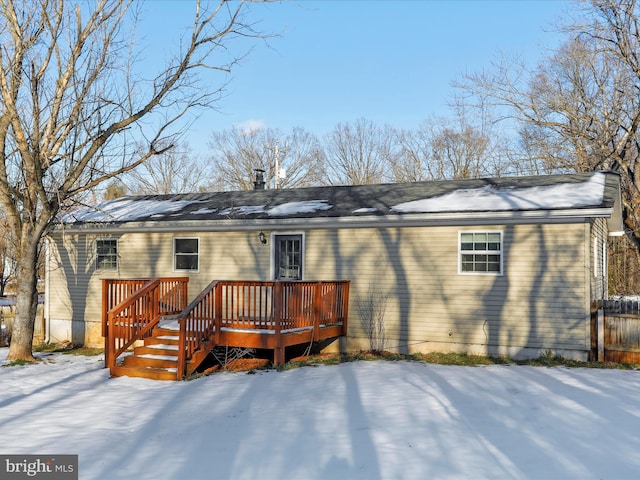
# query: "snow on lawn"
363,420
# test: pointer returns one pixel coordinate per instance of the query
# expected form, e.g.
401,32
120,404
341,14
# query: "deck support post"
317,309
105,320
278,352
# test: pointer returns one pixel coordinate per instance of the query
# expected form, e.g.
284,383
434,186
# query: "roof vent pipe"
258,184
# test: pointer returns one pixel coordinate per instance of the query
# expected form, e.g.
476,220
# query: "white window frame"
481,252
273,243
98,268
175,254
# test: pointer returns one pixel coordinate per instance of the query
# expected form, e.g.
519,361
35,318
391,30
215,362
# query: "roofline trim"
403,220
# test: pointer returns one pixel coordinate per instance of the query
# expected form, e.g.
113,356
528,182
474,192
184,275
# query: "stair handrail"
197,322
142,314
116,291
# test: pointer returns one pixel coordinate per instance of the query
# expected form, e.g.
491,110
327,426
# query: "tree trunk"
26,301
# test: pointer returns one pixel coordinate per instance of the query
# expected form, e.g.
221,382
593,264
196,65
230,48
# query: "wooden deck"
178,337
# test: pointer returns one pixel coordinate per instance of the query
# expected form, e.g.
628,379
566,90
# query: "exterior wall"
541,302
598,260
75,292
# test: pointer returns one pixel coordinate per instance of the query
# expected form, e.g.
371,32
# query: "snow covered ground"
366,420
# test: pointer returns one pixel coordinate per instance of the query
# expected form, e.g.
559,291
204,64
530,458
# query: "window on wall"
288,257
107,254
186,253
481,252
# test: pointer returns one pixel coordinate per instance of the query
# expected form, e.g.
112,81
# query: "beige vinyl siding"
538,303
223,255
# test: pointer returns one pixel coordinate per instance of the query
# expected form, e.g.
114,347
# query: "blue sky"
391,62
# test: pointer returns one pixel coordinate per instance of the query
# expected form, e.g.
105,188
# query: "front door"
288,257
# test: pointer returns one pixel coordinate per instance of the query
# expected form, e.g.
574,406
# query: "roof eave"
358,221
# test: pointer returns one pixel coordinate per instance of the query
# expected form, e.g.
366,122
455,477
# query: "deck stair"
157,359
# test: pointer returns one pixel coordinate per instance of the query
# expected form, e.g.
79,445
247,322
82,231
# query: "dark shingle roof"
547,192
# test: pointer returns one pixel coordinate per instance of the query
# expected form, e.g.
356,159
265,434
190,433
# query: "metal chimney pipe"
258,184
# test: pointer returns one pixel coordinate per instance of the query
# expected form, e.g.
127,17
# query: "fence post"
600,324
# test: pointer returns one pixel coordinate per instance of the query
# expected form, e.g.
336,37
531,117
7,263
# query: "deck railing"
197,323
131,308
276,307
284,305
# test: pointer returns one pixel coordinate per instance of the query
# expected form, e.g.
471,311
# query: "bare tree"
360,153
449,148
289,161
372,307
114,189
174,171
414,158
580,109
8,263
72,105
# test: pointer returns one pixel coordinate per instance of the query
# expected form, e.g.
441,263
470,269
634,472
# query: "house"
506,266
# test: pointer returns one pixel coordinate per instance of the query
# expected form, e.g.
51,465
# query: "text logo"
50,467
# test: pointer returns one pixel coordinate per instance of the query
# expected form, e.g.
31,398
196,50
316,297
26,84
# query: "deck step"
152,373
156,349
162,340
156,361
171,325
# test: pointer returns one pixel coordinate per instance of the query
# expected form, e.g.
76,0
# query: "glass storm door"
288,257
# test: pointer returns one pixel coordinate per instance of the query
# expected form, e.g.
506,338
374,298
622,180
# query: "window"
288,257
107,254
185,256
481,252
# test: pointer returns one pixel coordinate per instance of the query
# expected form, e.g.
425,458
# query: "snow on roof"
126,210
203,211
491,198
243,210
365,210
293,208
479,195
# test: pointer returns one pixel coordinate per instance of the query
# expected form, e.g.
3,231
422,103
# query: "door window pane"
288,257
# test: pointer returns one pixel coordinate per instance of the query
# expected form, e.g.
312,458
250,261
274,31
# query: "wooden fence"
618,332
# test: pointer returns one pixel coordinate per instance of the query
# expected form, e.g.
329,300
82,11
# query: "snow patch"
126,210
365,210
293,208
243,210
203,211
491,198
